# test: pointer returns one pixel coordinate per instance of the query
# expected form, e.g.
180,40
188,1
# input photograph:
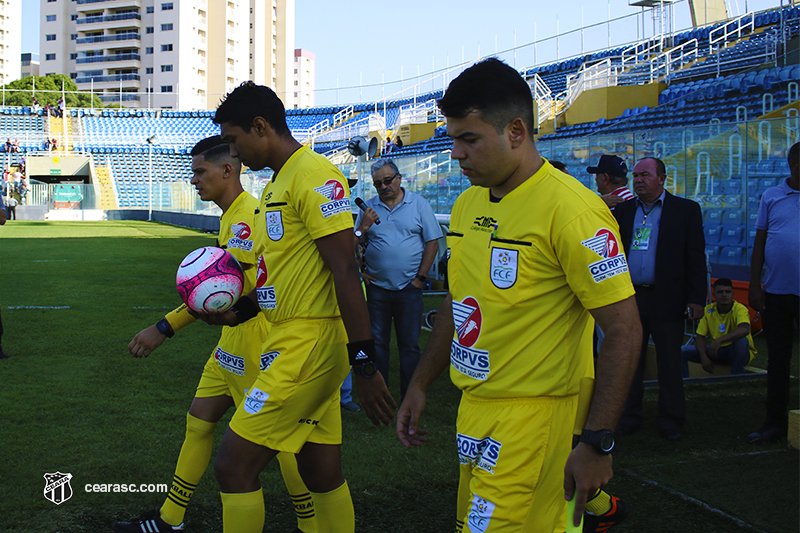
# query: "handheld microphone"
363,206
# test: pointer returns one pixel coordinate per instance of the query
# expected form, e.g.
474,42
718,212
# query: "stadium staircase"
108,197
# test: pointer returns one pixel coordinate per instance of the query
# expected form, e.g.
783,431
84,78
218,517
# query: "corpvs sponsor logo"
605,244
266,294
57,488
469,361
503,270
339,202
241,237
482,453
228,361
267,359
480,515
274,225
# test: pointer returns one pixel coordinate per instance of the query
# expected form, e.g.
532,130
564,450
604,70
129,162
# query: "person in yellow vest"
723,334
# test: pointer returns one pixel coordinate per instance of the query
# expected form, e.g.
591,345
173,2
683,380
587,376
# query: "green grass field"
73,400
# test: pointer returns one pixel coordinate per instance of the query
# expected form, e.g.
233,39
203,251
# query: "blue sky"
362,44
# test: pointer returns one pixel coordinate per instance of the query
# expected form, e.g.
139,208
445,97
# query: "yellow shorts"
296,399
512,453
236,361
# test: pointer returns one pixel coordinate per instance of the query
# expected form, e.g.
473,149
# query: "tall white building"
10,40
305,79
183,54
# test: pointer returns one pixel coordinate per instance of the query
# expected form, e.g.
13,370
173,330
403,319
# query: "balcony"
109,38
111,98
108,58
112,78
105,22
94,5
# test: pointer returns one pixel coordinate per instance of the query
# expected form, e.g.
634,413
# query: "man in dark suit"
663,239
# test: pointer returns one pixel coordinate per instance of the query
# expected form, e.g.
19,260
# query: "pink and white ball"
210,280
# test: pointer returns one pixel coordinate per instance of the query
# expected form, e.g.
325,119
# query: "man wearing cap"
611,176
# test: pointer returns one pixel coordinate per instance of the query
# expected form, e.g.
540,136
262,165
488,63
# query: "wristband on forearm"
361,351
164,328
245,309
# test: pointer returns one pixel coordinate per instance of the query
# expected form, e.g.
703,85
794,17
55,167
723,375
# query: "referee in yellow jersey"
534,256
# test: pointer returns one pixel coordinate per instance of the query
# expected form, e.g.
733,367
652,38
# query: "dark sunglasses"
384,182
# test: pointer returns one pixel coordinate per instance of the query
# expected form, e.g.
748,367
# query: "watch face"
607,442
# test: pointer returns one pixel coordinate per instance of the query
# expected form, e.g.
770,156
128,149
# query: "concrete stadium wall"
186,220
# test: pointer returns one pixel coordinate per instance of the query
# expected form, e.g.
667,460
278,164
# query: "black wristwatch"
422,278
366,369
602,441
164,328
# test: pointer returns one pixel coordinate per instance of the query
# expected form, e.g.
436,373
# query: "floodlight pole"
150,178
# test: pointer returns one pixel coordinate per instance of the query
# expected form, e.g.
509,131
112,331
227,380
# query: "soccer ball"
210,280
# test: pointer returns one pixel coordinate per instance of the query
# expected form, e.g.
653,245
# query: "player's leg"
408,309
689,354
201,421
379,305
320,466
237,467
301,497
736,354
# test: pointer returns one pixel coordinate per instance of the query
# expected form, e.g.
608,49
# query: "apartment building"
29,64
179,54
305,84
10,40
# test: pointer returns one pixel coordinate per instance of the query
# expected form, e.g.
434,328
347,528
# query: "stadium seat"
731,235
733,217
712,234
732,255
712,217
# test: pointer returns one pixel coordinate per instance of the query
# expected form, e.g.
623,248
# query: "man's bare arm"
428,255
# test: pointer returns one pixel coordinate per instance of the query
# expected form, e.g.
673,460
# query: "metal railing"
109,38
101,79
108,58
731,30
109,18
600,74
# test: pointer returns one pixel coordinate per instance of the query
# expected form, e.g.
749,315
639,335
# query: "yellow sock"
334,510
301,497
192,464
599,504
243,512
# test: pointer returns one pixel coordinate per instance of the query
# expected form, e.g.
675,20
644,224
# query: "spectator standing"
611,176
61,107
399,254
11,208
35,106
663,239
727,323
775,290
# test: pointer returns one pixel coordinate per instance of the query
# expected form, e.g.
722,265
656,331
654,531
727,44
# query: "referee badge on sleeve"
503,270
274,225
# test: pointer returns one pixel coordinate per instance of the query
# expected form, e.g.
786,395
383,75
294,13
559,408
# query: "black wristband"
245,309
164,328
360,351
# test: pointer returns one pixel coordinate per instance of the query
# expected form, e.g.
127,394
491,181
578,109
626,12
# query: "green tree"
48,91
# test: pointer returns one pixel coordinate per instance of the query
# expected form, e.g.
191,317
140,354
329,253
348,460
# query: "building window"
149,29
50,1
50,57
166,88
50,18
148,70
166,7
51,37
73,17
295,71
166,48
73,56
73,75
73,36
166,27
148,50
230,24
150,9
166,68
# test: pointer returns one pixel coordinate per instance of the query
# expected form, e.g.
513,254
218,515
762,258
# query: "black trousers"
780,314
668,338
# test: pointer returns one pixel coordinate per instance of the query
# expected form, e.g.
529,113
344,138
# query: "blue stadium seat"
733,217
712,216
731,236
733,186
712,234
713,253
732,255
766,183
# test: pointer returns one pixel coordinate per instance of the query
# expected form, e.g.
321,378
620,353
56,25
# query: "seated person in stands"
726,323
398,142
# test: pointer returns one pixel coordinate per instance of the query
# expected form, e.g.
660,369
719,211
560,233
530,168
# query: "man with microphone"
400,234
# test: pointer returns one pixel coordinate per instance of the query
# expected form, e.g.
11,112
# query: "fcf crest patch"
57,488
504,267
480,515
274,225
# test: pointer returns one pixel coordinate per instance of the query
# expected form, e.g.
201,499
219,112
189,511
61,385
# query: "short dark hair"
621,180
724,282
248,101
211,148
495,90
793,154
558,165
661,168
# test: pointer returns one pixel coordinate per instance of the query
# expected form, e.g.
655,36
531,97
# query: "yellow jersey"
524,270
307,200
715,325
